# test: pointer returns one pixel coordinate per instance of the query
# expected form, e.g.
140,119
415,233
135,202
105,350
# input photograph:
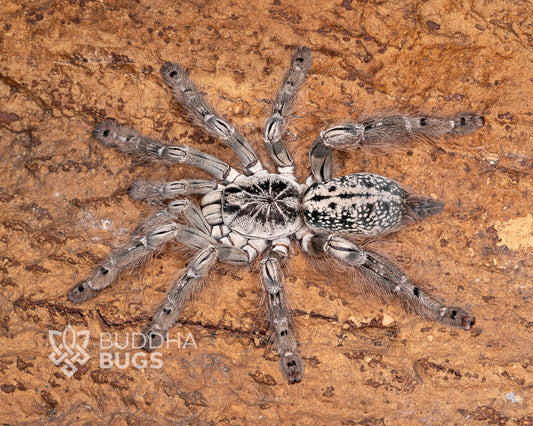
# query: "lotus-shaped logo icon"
69,347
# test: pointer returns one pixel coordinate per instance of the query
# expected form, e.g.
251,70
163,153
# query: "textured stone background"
66,65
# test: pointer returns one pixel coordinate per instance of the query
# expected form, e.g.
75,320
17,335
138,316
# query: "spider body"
253,214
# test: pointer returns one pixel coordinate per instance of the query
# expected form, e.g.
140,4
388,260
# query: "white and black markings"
262,207
254,214
361,203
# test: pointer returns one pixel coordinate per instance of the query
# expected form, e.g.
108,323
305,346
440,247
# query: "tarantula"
255,214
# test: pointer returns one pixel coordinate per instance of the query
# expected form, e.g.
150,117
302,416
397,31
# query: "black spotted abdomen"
361,203
266,206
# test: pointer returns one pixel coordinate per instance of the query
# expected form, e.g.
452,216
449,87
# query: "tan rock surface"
63,205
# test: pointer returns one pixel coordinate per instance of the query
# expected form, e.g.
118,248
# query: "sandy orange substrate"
63,205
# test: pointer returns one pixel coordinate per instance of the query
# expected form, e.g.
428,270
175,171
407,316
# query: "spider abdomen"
266,206
361,203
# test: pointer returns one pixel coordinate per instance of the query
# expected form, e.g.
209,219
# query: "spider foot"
81,292
106,133
292,368
143,190
456,316
466,123
152,339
